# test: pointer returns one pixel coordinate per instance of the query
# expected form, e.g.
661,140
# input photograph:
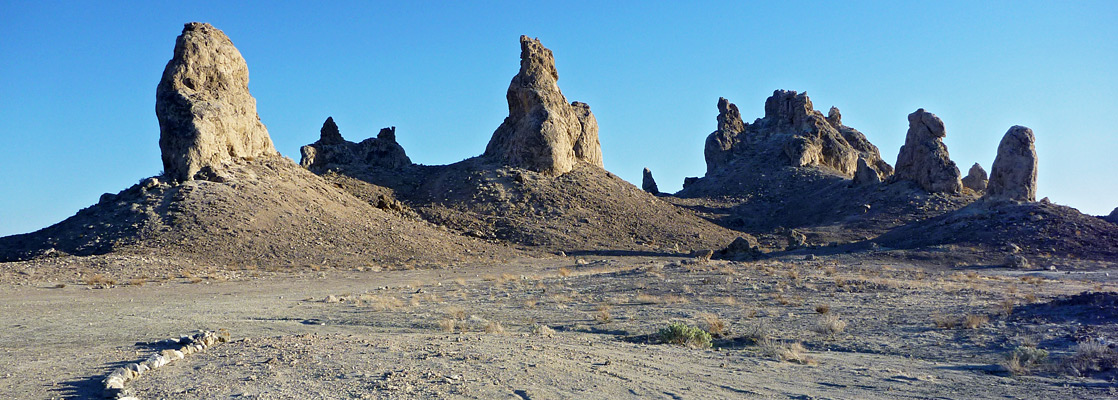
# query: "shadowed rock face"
331,151
794,130
648,183
865,175
543,132
1013,175
1113,217
206,114
976,179
923,158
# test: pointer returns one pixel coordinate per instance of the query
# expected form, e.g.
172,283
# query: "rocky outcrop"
743,248
923,158
976,179
865,175
207,117
331,151
1113,217
543,132
648,183
795,132
720,143
1013,175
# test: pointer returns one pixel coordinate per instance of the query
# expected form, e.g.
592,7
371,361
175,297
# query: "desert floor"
564,327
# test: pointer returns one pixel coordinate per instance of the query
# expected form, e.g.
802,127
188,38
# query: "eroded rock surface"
1013,175
331,151
1113,217
207,117
865,175
796,132
976,179
543,132
648,183
923,158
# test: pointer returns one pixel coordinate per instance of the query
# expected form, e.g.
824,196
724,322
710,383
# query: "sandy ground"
476,332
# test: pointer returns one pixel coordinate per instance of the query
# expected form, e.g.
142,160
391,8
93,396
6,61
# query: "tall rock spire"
543,132
207,116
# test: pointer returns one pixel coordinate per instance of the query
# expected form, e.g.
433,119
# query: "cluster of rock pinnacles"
208,119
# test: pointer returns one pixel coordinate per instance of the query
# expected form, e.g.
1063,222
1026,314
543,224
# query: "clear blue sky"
77,81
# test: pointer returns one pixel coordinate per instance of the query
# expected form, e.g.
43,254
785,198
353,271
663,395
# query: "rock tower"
207,116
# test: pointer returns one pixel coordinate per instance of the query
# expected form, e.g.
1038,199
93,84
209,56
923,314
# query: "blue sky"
77,81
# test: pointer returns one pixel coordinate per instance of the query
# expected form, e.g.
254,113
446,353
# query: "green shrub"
684,335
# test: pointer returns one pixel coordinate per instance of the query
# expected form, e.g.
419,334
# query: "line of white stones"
188,344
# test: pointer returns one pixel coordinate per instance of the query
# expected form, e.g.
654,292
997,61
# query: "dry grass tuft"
380,303
564,272
98,279
791,352
714,325
542,330
1005,307
447,325
494,327
137,281
1091,357
823,308
975,321
830,325
602,314
945,322
757,332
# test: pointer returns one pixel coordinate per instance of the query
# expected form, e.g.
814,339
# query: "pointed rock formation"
976,179
543,132
923,157
720,143
794,130
331,151
648,183
1013,175
207,117
865,175
329,134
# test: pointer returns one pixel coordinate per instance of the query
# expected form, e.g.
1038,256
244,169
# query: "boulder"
865,175
793,131
543,132
743,247
923,158
207,117
331,151
1013,175
648,183
976,179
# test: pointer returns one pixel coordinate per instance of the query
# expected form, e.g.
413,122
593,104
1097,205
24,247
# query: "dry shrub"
564,272
830,325
542,330
1091,357
791,352
98,279
602,314
1030,298
60,286
1006,306
757,332
380,303
974,321
945,322
137,281
644,298
494,327
714,325
823,308
196,280
724,300
531,303
455,312
447,325
1023,359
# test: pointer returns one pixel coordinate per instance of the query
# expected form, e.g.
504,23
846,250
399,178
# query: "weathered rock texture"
1013,175
206,115
648,183
865,175
543,132
331,151
792,128
923,158
976,179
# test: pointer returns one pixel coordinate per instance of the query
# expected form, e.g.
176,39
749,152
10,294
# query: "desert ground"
559,327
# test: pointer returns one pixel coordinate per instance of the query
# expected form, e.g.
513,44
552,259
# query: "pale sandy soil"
389,335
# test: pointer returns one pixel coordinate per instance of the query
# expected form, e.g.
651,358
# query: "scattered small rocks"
114,383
